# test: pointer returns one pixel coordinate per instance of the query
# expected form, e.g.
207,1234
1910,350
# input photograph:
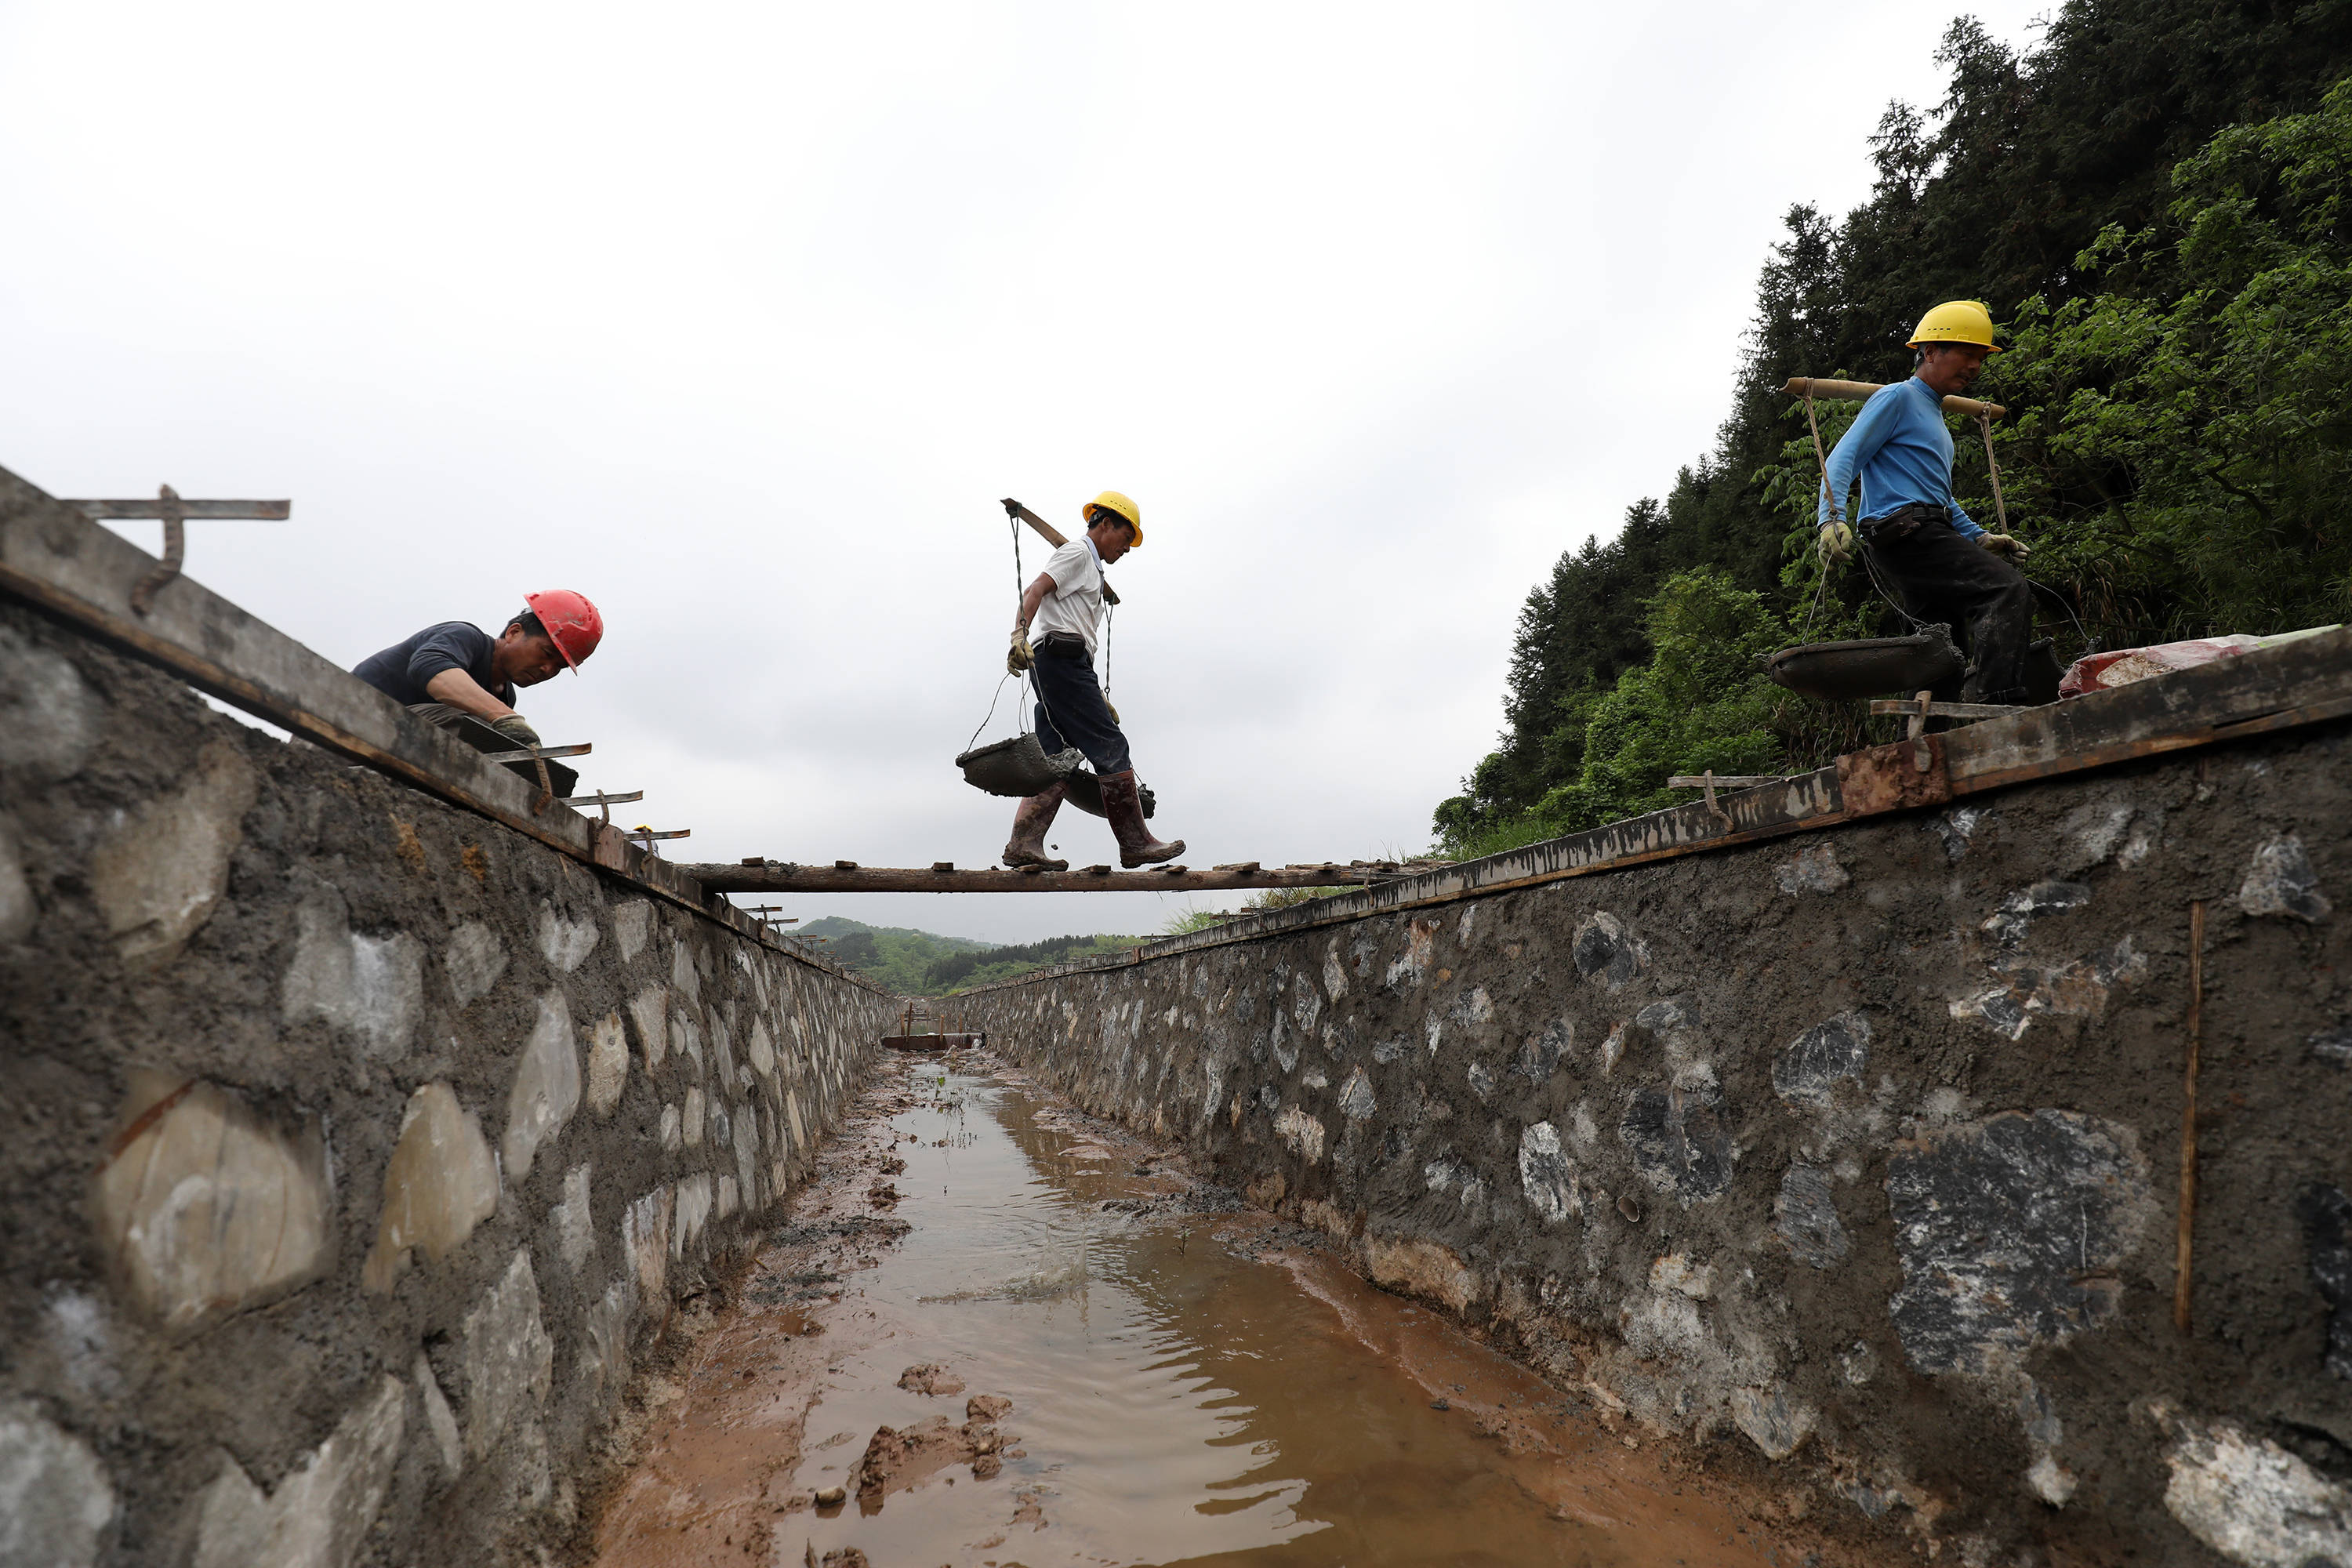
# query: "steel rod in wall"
2182,1274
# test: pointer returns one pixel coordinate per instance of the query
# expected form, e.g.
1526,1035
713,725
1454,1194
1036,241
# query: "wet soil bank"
995,1331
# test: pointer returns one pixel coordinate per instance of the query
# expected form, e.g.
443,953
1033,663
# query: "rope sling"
1019,767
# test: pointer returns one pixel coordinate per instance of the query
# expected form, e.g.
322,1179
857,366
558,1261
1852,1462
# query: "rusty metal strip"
1900,777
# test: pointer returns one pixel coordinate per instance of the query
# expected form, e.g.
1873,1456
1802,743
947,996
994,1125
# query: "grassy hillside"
962,972
923,964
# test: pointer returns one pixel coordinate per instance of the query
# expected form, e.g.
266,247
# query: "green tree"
1702,701
2183,450
2018,188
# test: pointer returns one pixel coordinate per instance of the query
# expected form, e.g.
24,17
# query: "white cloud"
740,317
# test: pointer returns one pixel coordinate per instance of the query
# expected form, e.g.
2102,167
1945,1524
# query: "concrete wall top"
58,560
356,1142
2298,684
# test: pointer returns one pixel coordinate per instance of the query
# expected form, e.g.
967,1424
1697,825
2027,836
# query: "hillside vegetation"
2157,201
922,963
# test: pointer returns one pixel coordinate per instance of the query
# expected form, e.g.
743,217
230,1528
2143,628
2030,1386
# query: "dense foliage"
962,971
2153,200
923,964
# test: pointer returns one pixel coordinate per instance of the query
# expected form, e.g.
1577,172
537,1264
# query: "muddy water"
1188,1382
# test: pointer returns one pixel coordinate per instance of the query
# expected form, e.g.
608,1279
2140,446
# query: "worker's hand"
517,728
2002,544
1020,656
1836,543
1114,709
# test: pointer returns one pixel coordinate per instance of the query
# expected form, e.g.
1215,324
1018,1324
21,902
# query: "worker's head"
1114,523
524,653
1113,535
1949,368
1952,341
568,626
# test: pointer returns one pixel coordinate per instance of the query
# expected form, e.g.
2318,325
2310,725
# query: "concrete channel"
400,1167
996,1330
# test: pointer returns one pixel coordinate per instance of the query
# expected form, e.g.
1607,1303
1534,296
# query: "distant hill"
924,963
836,928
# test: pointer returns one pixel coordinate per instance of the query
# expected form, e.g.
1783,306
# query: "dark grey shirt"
401,670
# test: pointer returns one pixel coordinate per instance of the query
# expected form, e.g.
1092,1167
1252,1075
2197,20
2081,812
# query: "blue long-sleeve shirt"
1903,450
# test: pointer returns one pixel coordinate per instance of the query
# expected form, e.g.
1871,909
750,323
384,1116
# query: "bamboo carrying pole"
1855,391
2180,1270
1809,387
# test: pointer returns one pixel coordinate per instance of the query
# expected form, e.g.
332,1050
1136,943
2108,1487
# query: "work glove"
517,728
1836,543
1020,656
2002,544
1114,709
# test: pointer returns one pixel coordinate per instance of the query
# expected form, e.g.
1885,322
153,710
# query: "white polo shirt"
1076,603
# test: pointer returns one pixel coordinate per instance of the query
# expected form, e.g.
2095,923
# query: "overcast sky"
739,319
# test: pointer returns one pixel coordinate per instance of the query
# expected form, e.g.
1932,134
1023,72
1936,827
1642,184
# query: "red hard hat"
571,621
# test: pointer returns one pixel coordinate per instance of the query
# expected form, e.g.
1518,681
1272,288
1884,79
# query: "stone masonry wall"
1853,1157
352,1143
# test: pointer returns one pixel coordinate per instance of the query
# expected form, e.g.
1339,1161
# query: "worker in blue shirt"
1921,542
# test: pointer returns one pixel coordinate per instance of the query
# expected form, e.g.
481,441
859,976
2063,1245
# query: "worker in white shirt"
1065,605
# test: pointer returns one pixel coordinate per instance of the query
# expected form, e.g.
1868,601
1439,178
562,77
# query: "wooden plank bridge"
758,876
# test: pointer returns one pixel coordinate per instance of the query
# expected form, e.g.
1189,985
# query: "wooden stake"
2180,1269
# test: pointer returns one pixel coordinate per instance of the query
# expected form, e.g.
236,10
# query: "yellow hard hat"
1111,500
1956,321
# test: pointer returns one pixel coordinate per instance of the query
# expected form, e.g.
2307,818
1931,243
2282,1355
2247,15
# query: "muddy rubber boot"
1122,800
1029,823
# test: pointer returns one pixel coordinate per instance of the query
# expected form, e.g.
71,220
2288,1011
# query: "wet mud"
996,1332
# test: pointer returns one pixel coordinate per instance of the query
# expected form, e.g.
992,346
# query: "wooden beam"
153,510
53,558
1903,707
778,877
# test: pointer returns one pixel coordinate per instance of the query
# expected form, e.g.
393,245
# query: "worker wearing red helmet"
455,668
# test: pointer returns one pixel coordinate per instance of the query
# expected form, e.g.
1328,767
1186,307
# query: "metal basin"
1018,767
1872,667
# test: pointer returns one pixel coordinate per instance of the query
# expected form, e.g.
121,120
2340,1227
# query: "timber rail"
847,876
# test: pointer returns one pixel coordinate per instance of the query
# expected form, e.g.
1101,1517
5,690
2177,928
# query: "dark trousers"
1072,711
1943,575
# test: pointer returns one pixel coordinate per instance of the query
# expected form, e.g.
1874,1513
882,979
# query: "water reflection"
1175,1398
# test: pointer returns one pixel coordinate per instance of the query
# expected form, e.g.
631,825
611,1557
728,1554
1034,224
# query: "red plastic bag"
2105,671
2121,666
